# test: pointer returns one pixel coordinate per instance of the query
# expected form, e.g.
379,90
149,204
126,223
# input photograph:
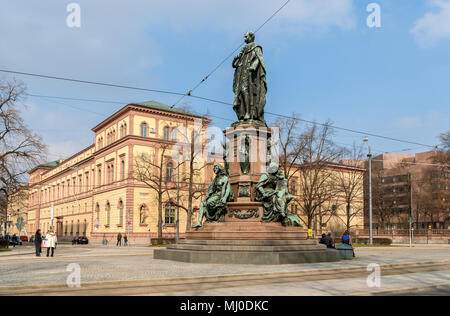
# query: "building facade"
94,192
409,186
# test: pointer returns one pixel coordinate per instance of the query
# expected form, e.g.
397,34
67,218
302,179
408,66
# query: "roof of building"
162,107
151,105
52,164
48,165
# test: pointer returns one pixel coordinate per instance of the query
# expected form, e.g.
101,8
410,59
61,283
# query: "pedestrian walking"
38,242
125,240
119,239
51,240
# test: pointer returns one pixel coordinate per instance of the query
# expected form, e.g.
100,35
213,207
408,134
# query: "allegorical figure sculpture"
214,207
250,84
272,191
244,155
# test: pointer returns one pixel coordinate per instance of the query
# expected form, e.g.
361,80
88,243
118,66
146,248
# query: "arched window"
169,172
108,214
174,134
125,129
120,213
143,214
122,169
293,188
144,129
84,227
166,133
97,213
121,131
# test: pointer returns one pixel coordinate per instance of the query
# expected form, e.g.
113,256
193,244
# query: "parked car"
24,238
80,240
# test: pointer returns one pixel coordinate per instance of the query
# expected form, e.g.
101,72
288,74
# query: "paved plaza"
129,268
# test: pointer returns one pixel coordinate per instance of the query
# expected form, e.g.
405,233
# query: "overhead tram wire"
107,85
282,116
211,100
189,93
89,82
109,102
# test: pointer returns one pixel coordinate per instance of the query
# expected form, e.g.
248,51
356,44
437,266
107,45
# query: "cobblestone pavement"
353,286
103,264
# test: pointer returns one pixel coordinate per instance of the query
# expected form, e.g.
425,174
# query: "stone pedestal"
243,184
258,252
242,238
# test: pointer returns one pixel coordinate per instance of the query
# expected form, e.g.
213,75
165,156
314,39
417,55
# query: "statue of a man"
214,207
250,85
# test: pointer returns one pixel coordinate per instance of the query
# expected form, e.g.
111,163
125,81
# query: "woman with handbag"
37,242
51,241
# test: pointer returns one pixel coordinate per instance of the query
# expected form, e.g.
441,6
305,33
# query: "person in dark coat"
37,242
119,239
125,240
323,240
329,241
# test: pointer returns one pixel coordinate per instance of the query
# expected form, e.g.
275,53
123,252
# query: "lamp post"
178,200
369,156
411,216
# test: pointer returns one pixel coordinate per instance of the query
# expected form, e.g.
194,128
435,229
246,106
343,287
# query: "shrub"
4,243
376,241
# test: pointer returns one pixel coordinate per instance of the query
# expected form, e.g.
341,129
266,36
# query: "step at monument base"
258,252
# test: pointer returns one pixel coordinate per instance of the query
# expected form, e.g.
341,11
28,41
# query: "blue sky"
323,62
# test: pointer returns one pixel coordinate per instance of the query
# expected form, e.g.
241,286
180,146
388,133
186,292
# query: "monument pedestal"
242,238
258,252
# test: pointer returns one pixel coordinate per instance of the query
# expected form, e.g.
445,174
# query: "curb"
402,291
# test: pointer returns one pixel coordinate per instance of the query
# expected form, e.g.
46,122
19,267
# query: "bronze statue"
250,85
214,207
244,155
272,191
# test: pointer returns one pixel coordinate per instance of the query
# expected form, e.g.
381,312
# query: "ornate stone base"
246,230
267,252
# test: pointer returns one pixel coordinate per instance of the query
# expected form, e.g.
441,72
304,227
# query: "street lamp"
369,156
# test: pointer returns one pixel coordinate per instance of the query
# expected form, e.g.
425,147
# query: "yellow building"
336,194
94,192
15,222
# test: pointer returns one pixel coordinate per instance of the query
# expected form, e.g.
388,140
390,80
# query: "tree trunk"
160,206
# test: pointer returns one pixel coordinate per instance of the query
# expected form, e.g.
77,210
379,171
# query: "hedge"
376,241
4,243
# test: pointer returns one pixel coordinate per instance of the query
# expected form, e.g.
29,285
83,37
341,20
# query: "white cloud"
433,26
126,41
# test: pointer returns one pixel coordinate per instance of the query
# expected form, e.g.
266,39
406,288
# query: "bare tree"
291,145
349,181
151,170
445,140
326,212
20,148
192,188
315,171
